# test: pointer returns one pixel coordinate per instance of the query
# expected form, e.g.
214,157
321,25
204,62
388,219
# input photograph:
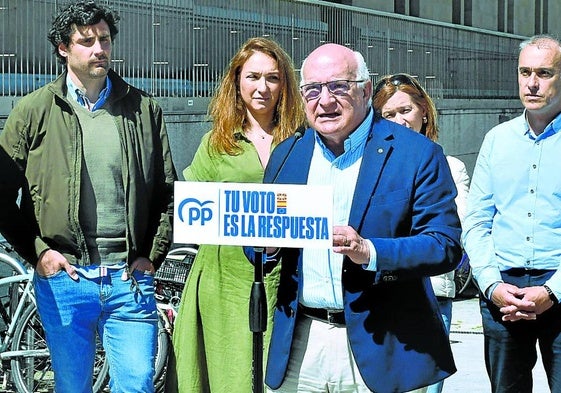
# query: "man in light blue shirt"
512,230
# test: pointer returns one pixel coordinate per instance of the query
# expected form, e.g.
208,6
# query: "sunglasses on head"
396,80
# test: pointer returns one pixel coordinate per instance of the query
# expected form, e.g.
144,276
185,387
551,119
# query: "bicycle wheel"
463,276
10,292
101,369
162,348
33,373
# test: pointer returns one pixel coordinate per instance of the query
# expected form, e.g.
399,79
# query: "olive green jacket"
41,155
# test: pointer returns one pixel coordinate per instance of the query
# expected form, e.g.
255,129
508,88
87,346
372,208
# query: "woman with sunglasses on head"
401,99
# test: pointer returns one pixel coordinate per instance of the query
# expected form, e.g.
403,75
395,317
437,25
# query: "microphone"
258,297
298,134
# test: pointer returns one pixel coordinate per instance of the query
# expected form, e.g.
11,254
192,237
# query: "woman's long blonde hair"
228,111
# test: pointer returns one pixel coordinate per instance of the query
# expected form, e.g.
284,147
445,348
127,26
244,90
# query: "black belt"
520,272
322,314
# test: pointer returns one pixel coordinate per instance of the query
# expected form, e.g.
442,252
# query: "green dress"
212,342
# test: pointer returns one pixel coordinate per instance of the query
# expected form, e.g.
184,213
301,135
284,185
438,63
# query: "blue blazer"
403,203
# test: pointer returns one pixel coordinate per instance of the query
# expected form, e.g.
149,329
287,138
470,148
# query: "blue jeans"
510,347
124,315
445,306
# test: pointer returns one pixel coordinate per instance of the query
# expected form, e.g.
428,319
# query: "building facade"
521,17
463,51
179,48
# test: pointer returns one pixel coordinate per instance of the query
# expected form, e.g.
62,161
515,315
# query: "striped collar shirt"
322,268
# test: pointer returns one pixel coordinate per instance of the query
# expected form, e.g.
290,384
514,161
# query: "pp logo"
195,211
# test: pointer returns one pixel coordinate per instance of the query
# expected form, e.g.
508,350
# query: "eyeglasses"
396,80
341,87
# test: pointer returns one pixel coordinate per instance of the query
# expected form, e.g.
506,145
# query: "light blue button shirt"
77,95
513,215
322,268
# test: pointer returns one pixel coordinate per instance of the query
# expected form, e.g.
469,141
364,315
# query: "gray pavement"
466,337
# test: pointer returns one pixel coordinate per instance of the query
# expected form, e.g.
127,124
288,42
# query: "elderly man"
512,227
362,316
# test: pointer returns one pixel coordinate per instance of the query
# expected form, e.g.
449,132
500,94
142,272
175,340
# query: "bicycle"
463,277
23,345
26,364
23,350
169,282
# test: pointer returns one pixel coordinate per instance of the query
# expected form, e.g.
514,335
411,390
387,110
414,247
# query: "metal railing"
181,47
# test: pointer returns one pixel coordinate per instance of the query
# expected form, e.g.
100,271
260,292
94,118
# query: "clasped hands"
520,303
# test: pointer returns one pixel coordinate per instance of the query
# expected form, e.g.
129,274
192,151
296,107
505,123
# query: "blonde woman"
256,106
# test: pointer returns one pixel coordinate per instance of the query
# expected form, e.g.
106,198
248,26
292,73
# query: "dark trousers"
510,347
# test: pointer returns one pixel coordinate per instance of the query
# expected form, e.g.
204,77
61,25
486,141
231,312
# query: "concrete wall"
442,11
378,5
463,123
553,15
484,13
186,125
524,17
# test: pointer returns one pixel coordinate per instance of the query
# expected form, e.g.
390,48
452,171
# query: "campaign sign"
250,214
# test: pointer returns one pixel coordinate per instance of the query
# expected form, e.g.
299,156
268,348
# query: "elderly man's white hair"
361,74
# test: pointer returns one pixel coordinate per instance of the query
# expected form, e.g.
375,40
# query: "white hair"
362,72
541,41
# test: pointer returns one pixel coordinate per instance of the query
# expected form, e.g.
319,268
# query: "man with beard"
89,155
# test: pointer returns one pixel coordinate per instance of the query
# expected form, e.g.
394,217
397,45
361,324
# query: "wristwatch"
551,294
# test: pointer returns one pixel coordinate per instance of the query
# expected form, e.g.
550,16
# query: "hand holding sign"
348,242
